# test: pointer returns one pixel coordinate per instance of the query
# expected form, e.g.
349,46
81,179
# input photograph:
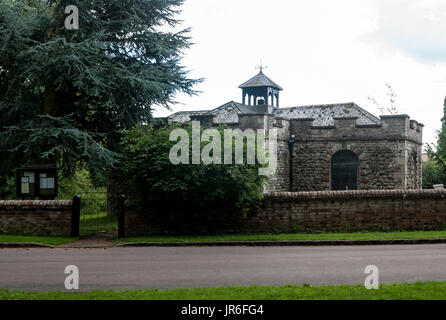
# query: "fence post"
121,214
75,216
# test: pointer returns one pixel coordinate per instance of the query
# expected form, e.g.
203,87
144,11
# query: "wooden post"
121,216
75,216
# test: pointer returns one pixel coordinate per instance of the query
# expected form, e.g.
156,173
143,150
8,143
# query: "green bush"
432,174
7,187
93,199
185,190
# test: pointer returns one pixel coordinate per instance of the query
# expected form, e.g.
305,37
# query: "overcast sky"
321,52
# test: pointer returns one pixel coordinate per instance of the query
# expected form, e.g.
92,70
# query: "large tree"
64,94
190,194
438,152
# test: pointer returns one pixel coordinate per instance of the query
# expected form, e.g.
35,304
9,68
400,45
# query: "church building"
324,147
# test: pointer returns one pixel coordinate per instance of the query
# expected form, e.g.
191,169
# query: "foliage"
432,175
93,199
295,237
94,217
438,152
391,107
48,137
400,291
65,93
98,223
80,183
54,241
7,187
185,190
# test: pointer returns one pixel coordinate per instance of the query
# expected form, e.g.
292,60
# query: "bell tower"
260,90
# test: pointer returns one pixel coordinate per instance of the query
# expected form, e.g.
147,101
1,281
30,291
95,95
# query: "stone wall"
281,180
389,154
325,211
38,218
382,164
413,165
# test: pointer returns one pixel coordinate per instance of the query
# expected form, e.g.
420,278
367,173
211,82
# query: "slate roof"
260,80
227,113
184,116
243,108
323,115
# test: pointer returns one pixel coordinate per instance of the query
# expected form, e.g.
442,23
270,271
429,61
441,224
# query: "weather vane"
261,66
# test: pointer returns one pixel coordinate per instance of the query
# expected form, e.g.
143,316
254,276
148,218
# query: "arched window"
345,171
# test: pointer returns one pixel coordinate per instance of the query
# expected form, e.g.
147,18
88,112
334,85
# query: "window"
344,171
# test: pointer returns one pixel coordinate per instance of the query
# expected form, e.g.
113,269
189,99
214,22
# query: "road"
189,267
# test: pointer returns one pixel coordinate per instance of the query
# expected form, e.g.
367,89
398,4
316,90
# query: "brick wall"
323,210
39,218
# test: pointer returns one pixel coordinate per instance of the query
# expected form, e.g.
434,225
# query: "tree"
438,152
391,107
64,94
432,175
185,191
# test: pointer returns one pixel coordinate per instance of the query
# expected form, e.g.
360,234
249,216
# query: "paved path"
43,269
90,242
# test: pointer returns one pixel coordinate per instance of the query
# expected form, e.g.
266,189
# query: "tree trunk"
49,104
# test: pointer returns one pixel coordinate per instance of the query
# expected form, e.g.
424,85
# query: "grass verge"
96,223
410,291
42,240
290,237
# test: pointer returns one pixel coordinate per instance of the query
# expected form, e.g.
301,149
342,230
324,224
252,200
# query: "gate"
93,215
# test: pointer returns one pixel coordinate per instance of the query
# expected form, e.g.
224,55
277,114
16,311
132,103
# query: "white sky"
321,51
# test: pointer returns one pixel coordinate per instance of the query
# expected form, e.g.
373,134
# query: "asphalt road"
189,267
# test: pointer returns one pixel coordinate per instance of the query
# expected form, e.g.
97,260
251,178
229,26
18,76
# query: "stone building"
325,147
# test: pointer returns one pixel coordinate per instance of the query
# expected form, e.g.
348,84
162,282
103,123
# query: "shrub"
7,187
185,190
432,174
93,199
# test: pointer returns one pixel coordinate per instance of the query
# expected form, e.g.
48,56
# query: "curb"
85,247
24,245
297,243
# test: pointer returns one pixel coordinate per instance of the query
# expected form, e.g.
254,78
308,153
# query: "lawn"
297,236
104,223
42,240
96,223
412,291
